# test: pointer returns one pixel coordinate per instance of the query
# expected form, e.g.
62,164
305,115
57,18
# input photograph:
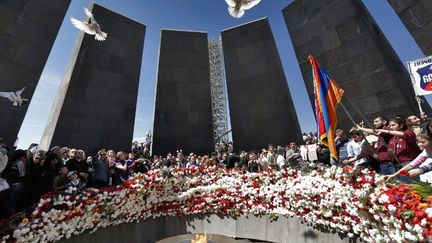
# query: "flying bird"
91,27
236,8
15,97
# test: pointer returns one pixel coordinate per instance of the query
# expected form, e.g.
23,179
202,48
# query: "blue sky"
200,15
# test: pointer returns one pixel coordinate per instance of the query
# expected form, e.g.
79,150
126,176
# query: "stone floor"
246,241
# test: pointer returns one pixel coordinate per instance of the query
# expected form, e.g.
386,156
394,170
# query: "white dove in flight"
92,28
236,8
15,97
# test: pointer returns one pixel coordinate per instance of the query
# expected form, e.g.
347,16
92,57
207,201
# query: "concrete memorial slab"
183,115
346,40
95,106
261,106
28,29
417,18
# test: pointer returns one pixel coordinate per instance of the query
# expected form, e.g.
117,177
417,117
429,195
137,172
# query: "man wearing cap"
75,181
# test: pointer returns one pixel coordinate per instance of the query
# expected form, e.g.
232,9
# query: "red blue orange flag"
327,97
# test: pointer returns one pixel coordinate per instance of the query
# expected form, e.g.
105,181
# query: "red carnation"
403,173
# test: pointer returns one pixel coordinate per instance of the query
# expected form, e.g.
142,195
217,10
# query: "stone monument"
28,29
345,39
96,102
261,107
183,114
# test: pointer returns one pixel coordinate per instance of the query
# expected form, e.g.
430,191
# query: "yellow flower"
423,205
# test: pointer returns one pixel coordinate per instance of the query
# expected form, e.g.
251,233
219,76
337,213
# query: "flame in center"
200,238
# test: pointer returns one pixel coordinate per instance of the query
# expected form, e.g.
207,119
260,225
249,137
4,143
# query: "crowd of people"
398,147
391,147
310,138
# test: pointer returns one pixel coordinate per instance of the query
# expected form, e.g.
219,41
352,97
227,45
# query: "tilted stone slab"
96,103
28,29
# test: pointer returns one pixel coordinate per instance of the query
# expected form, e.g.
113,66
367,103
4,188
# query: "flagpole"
363,117
353,122
348,114
375,155
419,101
367,122
338,92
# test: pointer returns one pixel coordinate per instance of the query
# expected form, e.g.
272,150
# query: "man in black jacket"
232,160
78,164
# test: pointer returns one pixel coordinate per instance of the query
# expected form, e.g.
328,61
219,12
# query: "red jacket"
381,147
405,147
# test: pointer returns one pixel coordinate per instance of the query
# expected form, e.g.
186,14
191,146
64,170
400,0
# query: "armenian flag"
327,97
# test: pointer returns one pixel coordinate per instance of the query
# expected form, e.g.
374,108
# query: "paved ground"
246,241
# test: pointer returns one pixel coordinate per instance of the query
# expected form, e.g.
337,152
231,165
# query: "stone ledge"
284,230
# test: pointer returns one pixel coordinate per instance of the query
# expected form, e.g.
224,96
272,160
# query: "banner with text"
421,75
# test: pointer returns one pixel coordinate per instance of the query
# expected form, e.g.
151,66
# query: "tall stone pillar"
183,114
96,103
417,17
261,107
345,39
28,29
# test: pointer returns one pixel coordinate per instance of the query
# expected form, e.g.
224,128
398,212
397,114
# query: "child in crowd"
358,150
413,169
263,160
131,163
75,181
402,147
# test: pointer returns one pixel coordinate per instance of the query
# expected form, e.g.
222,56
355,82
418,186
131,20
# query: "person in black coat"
232,160
77,163
35,177
323,154
253,166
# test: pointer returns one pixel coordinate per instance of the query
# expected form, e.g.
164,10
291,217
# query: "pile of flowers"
402,210
354,203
